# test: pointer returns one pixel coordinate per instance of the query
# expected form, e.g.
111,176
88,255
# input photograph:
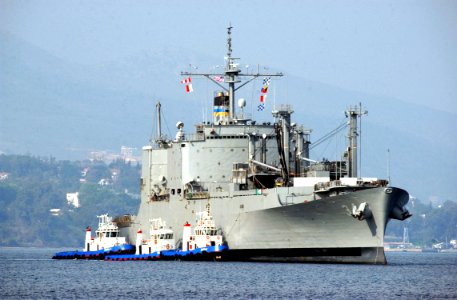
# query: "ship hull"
357,255
267,228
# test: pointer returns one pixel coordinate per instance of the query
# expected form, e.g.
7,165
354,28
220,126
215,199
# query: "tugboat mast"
230,75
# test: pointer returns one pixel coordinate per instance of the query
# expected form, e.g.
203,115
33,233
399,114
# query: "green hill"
428,225
30,187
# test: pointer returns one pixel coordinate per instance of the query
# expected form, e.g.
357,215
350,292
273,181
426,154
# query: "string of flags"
188,83
263,93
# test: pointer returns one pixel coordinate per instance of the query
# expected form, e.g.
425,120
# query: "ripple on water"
29,273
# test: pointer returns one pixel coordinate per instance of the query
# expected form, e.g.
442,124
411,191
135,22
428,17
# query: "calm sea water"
29,273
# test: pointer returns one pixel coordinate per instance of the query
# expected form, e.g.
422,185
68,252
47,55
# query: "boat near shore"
106,241
391,247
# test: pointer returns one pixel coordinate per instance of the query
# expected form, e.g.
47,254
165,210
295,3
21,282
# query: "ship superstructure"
268,198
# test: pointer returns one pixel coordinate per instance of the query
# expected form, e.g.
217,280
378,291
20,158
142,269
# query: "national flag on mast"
219,78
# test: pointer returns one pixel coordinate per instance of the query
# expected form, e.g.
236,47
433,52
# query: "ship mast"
159,138
159,121
353,113
230,75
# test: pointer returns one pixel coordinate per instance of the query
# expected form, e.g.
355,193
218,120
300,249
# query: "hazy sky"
402,49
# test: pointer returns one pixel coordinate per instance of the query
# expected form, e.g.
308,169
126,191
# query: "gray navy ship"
268,199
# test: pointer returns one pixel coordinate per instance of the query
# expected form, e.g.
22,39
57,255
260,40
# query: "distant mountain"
52,107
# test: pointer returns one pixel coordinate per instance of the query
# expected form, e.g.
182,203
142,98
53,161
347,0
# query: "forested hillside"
428,225
30,187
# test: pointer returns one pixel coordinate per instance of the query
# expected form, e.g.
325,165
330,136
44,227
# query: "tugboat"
206,241
161,238
107,241
161,242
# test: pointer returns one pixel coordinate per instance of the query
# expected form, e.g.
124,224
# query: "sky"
389,50
401,49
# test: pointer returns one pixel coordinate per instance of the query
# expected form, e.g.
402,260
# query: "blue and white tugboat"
205,242
106,241
160,242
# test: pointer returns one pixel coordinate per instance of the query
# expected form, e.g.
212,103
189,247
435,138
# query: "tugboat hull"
95,255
